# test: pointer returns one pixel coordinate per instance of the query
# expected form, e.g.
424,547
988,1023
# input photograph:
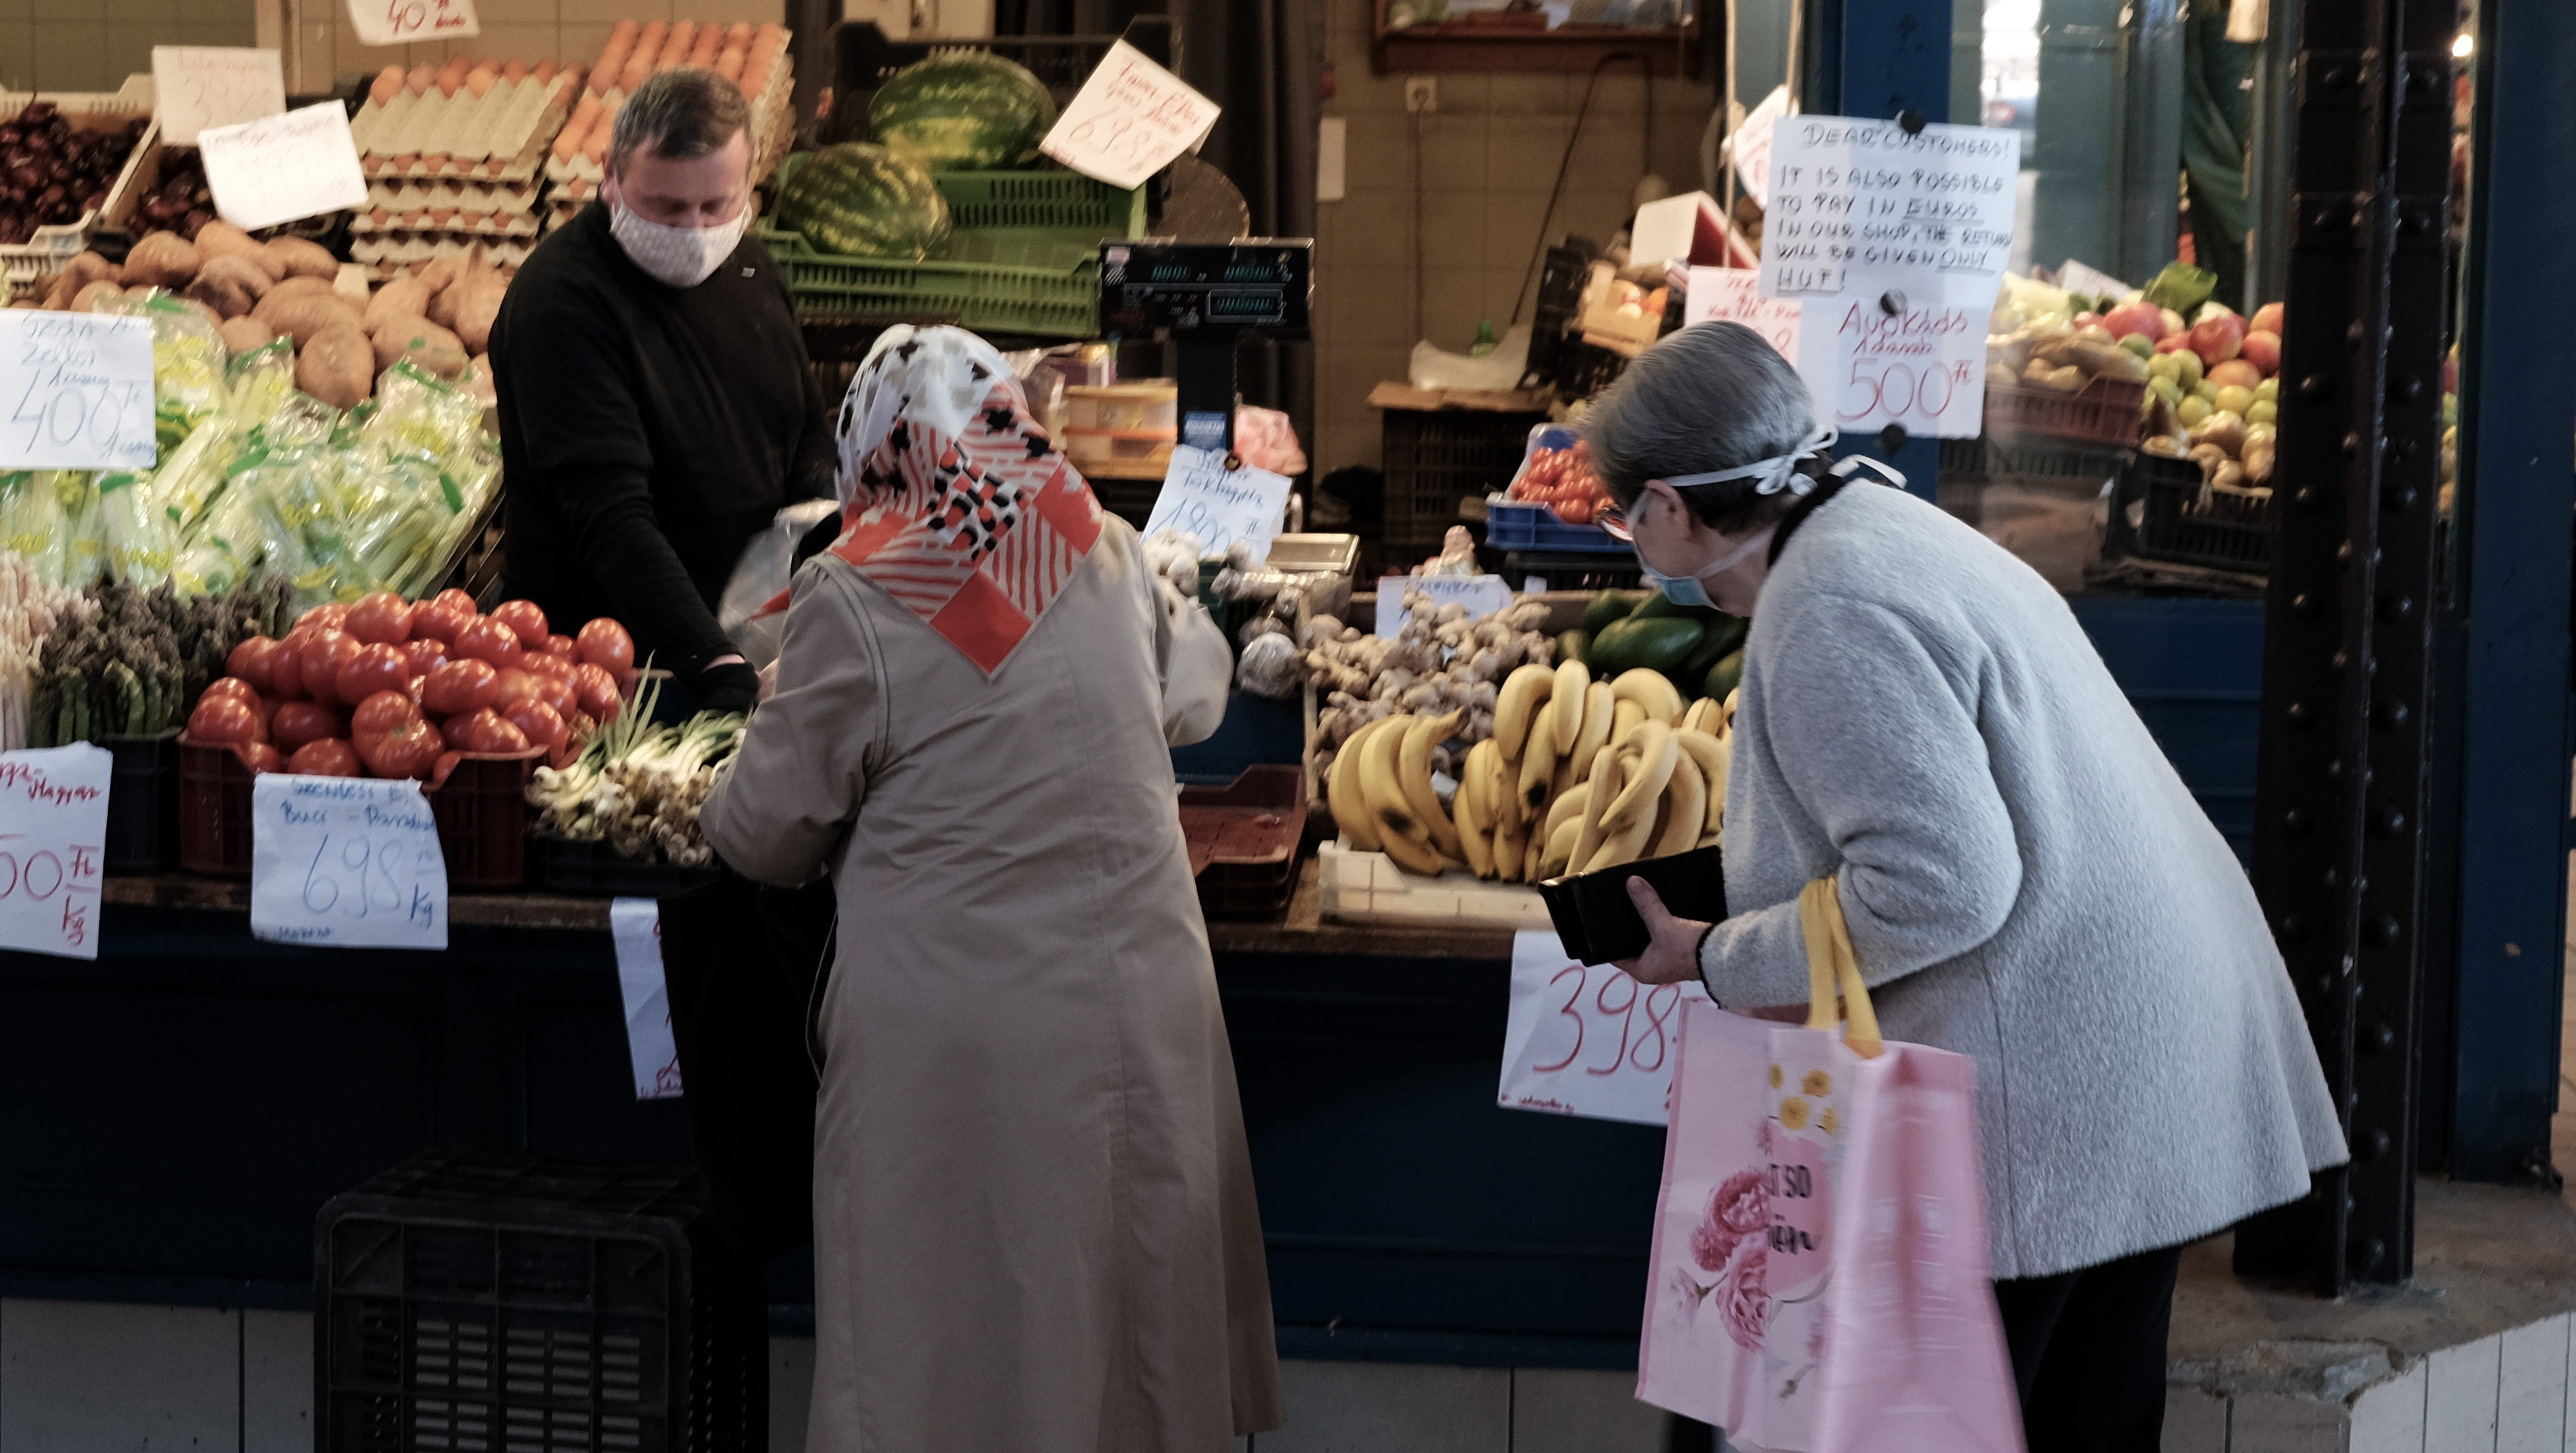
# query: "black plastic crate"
142,803
570,865
1436,457
2168,516
2031,457
1584,369
472,1299
1560,294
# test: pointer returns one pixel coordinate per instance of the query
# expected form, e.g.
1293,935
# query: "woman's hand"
1673,954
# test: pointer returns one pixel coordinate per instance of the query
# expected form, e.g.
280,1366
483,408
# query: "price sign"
53,829
1202,497
283,168
1128,121
1588,1040
1733,295
1482,595
400,22
202,86
1862,208
351,862
1752,146
78,387
635,928
1923,368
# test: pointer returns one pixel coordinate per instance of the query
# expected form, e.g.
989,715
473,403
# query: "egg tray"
394,143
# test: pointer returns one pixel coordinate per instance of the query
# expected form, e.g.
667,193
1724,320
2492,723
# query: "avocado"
1608,606
1657,642
1723,676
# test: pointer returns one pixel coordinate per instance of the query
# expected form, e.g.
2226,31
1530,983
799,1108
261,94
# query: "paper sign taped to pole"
1129,120
1861,209
200,86
53,840
1922,368
1588,1041
75,391
283,168
635,928
1751,146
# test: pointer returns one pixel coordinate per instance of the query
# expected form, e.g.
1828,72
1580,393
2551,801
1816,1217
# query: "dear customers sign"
1862,209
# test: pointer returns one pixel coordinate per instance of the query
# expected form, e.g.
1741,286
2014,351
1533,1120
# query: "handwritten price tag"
1731,295
1924,368
352,862
53,828
78,388
1587,1041
202,86
1219,505
1752,150
1128,121
283,168
635,927
400,22
1861,208
1482,595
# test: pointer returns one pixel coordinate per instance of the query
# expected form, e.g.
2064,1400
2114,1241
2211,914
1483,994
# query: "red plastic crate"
1244,838
481,811
2106,410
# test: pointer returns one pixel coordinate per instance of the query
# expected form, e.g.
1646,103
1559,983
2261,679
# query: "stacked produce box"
452,158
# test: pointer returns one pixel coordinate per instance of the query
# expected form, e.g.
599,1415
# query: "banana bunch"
1579,775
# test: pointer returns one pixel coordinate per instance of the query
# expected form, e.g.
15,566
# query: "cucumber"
1574,645
1608,606
1723,676
1658,642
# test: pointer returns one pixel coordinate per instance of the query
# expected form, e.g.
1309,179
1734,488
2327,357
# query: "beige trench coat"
1033,1212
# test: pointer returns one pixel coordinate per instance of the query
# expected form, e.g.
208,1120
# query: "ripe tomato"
487,638
224,719
546,663
438,620
325,652
542,724
424,656
251,660
334,614
299,722
329,757
408,749
605,644
460,601
379,618
564,646
286,666
232,686
369,670
459,687
381,713
259,757
485,732
514,685
595,691
524,617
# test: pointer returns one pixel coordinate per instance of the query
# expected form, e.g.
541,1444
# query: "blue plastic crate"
1511,526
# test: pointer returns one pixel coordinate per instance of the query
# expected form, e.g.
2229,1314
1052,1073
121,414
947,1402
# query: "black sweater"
646,433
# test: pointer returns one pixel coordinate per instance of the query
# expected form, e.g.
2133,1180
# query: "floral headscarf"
953,500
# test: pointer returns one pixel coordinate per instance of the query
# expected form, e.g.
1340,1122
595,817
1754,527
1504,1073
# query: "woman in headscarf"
1033,1213
2026,879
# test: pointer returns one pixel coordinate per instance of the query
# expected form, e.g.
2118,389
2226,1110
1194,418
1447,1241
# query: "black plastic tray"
568,865
1598,924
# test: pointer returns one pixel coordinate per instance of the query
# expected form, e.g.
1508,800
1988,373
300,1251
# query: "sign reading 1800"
78,390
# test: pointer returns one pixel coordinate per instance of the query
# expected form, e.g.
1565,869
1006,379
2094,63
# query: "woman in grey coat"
2026,879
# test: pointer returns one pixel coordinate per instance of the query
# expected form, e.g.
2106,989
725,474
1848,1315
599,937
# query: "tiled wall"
326,49
1487,158
93,45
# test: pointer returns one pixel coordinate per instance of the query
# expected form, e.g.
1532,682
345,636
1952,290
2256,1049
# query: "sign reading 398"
78,390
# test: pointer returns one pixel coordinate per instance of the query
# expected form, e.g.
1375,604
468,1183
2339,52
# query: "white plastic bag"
1437,368
760,574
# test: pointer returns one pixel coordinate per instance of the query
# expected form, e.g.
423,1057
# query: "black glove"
732,686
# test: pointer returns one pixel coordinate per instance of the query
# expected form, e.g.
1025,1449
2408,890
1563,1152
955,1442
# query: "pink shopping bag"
1818,1277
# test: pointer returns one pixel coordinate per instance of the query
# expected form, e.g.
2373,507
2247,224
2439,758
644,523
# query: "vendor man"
656,407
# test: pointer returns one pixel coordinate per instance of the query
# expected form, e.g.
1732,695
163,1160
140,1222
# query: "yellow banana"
1560,847
1685,810
1713,755
1650,689
1538,765
1609,773
1415,857
1382,783
1702,716
1530,864
1623,845
1524,691
1573,688
1342,791
1473,830
1655,750
1414,773
1728,711
1596,728
1569,806
1625,717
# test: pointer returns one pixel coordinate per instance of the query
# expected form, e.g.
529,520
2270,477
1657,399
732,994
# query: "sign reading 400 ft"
77,388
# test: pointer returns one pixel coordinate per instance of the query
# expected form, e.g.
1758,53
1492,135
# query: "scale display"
1263,283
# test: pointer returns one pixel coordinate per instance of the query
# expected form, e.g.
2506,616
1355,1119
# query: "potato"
302,287
86,300
298,258
402,298
477,307
423,342
436,274
337,364
161,260
86,268
230,284
241,335
222,239
303,315
442,304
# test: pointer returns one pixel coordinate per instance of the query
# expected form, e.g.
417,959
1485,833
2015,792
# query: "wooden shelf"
1465,45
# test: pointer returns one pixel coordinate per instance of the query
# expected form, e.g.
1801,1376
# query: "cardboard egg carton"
389,252
773,127
481,209
500,136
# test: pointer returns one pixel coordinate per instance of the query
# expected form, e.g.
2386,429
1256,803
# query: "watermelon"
963,111
858,199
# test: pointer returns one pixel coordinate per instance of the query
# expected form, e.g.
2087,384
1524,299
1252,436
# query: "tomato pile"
386,688
1562,480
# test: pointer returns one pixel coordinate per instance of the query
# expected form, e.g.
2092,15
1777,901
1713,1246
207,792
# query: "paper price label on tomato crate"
1202,497
53,832
1587,1040
283,168
635,928
1923,368
198,86
78,390
400,22
1129,120
348,862
1862,208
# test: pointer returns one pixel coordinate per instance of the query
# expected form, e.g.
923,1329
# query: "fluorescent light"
2464,45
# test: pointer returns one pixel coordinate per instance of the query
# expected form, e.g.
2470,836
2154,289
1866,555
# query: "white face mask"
679,257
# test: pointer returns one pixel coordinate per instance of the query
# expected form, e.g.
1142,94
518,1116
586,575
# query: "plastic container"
482,814
214,810
1584,369
142,803
1148,405
1434,458
1598,923
1515,525
31,265
1055,302
567,865
502,1300
2105,411
1363,887
1243,840
2171,517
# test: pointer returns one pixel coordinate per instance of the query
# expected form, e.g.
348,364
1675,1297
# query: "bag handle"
1831,962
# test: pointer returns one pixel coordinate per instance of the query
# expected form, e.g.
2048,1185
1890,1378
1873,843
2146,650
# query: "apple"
2193,412
2187,369
2142,319
2219,338
2267,319
2173,343
2173,320
2085,320
2235,398
2236,373
2263,350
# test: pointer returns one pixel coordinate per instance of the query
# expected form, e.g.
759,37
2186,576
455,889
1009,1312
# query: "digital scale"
1204,296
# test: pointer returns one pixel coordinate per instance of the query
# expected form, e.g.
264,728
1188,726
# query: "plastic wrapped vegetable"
223,548
84,531
191,475
261,381
416,412
188,361
34,526
139,542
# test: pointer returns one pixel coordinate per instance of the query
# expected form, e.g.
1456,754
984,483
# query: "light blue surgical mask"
1686,590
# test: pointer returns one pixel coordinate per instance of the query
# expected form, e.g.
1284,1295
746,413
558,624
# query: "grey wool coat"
2027,882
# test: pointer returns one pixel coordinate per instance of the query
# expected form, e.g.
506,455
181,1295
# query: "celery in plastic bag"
137,535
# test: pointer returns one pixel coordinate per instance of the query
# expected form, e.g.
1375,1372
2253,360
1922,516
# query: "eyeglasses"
1613,523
